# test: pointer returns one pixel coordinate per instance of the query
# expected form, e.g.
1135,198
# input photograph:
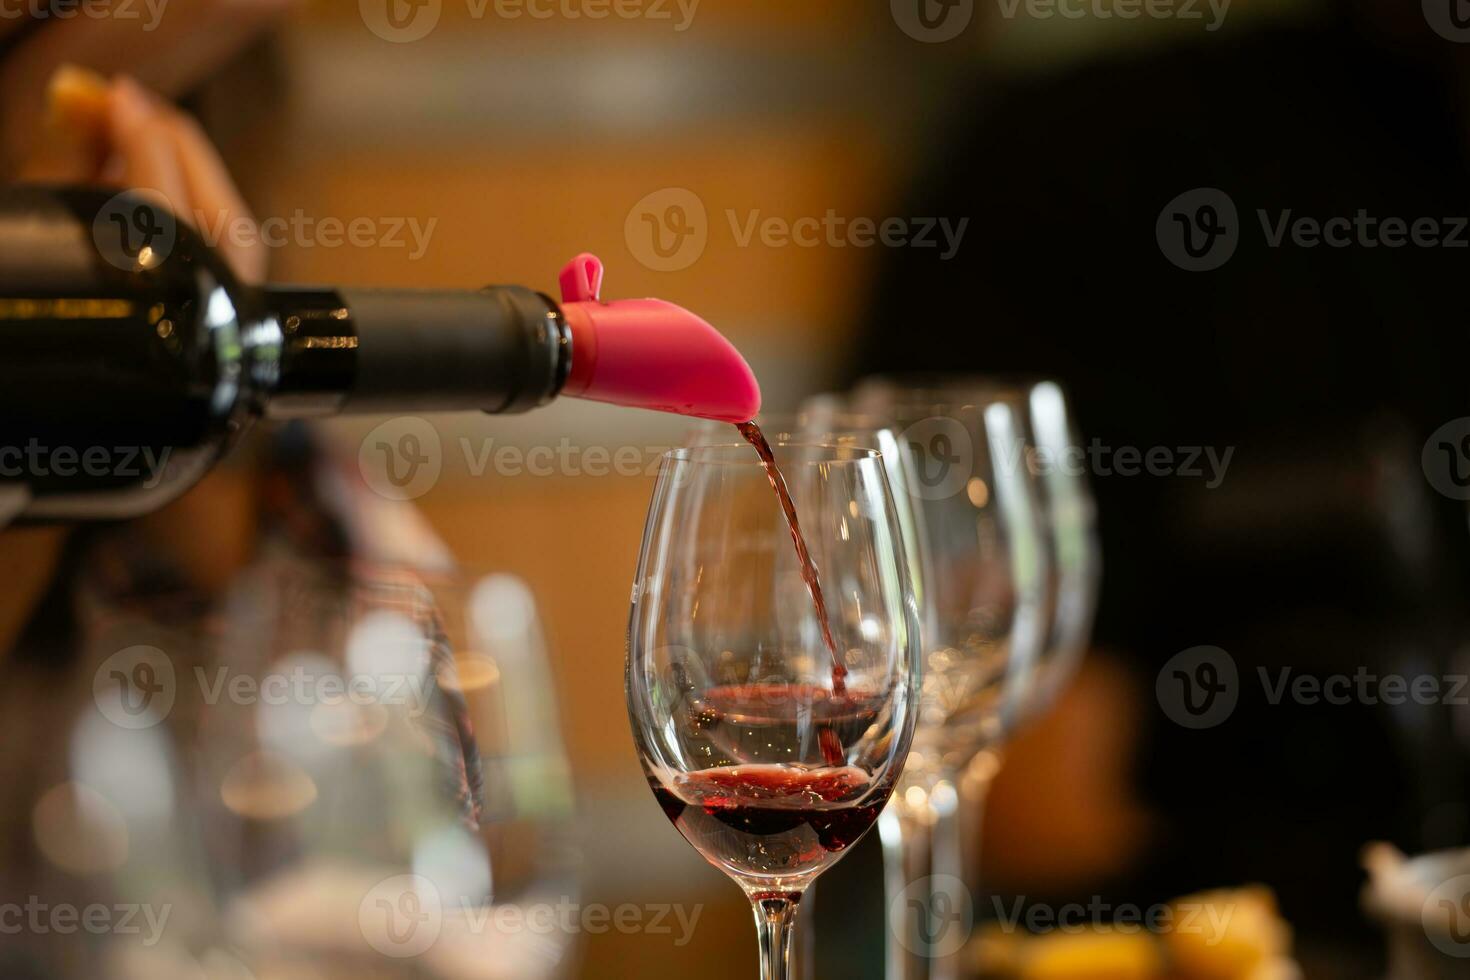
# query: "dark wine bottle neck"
320,351
304,356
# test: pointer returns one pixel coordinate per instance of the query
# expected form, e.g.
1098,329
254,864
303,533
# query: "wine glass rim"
743,454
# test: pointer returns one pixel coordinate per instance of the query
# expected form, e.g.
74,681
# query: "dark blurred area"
1319,371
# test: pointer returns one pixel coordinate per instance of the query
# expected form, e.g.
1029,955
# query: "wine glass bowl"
771,751
1008,527
976,504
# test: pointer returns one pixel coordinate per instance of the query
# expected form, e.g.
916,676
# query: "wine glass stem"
917,841
906,862
956,843
774,918
947,842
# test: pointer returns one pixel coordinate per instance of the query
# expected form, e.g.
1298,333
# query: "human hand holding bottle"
116,132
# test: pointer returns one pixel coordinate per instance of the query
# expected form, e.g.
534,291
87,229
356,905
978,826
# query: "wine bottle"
132,357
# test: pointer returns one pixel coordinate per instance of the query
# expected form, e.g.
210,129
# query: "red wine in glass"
782,820
740,723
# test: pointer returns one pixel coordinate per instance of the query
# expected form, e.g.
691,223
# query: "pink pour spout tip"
646,353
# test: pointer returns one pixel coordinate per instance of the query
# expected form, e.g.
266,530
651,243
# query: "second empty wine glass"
988,622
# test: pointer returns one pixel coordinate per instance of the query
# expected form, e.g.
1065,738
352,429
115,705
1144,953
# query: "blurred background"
1058,147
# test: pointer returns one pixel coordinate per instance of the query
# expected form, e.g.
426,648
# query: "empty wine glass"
771,750
989,598
1052,459
441,820
1069,517
1048,447
338,770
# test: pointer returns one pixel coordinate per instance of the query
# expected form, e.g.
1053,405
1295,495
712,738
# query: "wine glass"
770,749
1053,458
367,777
825,419
444,811
1055,461
1070,518
989,597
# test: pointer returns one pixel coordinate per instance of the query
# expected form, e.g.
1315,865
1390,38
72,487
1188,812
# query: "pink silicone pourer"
646,353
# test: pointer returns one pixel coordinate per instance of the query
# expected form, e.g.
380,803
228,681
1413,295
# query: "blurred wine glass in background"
337,770
988,590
